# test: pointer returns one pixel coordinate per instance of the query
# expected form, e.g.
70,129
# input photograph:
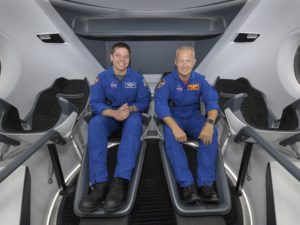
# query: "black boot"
208,194
93,201
190,195
116,195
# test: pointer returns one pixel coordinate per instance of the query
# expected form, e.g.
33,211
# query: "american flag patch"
193,87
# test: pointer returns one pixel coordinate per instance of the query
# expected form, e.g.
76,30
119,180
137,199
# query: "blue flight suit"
132,89
181,101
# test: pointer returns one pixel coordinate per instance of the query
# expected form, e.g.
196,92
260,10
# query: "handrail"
8,141
247,132
52,135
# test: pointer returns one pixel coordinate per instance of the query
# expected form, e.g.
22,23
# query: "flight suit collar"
112,73
190,80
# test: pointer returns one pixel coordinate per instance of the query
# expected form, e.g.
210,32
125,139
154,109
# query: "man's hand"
122,113
179,134
206,133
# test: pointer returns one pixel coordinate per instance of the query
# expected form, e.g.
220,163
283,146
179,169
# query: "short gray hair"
188,48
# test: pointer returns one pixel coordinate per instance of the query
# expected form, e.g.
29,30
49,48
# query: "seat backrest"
254,107
162,76
10,117
165,74
75,91
47,111
290,116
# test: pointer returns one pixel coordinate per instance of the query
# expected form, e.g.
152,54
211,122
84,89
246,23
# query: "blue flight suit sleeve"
210,96
98,101
161,98
142,96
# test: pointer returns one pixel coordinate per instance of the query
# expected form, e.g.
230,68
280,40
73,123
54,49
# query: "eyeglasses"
188,61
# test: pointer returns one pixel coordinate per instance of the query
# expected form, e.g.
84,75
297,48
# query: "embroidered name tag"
130,85
193,87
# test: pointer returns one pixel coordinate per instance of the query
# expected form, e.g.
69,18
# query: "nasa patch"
179,88
113,84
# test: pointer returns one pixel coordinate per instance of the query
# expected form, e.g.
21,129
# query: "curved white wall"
11,65
267,62
30,65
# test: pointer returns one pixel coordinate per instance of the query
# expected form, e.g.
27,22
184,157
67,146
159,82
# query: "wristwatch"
210,121
131,108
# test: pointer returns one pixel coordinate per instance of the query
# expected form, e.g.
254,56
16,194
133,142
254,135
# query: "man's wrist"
210,121
131,108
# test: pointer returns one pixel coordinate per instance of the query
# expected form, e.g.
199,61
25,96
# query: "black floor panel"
66,214
153,204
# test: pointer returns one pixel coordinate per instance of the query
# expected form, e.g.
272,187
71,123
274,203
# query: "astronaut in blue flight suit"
177,103
118,97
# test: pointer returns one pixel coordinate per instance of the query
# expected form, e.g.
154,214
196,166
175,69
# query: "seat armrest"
83,186
236,122
9,117
67,119
146,119
8,141
222,208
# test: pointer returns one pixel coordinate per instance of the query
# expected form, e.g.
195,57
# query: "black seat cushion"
253,108
46,110
290,116
11,120
75,91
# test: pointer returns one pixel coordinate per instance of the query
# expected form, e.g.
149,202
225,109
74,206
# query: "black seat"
248,107
50,121
254,107
83,179
222,208
287,134
57,107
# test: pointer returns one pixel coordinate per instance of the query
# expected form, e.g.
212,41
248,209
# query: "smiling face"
185,62
120,59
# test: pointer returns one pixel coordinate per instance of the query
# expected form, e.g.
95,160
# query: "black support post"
57,168
243,168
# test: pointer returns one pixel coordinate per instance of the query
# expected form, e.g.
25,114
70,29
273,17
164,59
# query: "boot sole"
89,210
211,200
112,209
193,200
